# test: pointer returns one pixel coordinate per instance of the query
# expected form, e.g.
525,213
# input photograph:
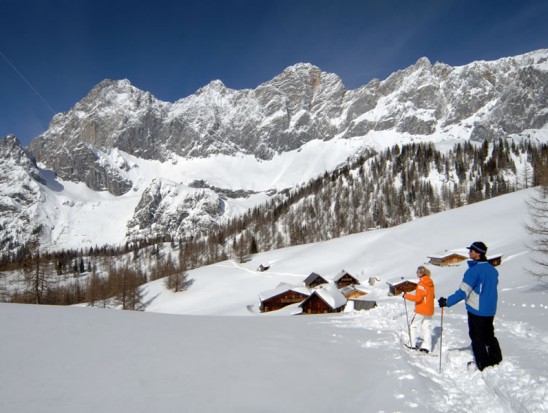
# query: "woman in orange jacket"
421,325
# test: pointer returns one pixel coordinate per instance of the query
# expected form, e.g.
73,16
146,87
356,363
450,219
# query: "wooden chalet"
326,299
455,258
495,260
451,258
263,267
313,280
282,296
363,305
350,291
343,279
400,285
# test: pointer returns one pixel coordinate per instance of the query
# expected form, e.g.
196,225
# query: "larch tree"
537,226
37,279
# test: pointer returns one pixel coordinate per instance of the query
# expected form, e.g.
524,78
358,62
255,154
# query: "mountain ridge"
299,105
243,146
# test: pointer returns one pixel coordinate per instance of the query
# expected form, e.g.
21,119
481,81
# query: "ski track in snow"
505,388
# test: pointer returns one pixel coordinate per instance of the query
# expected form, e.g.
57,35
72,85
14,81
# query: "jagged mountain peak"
113,83
12,152
301,104
307,74
117,94
423,62
300,69
10,142
410,77
215,86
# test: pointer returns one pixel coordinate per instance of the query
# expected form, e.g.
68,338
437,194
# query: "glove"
442,302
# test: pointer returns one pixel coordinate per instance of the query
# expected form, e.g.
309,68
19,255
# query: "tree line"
104,277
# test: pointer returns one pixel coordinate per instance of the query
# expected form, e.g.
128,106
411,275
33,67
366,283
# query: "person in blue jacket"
479,290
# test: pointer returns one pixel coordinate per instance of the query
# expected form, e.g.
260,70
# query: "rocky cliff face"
491,99
167,208
20,194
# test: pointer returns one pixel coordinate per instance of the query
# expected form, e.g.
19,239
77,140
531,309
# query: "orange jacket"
423,297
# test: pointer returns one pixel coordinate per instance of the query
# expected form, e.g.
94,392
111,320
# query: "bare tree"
37,280
3,289
537,226
133,294
97,290
125,283
176,277
177,281
239,248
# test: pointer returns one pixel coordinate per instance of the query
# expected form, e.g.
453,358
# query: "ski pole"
407,318
441,336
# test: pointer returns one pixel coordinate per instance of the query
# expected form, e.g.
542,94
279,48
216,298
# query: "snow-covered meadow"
208,349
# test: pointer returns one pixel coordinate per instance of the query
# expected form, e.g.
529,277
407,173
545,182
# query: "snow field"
203,350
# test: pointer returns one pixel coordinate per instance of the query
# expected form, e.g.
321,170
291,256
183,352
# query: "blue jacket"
478,288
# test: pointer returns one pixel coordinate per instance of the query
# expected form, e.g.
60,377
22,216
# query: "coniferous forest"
390,188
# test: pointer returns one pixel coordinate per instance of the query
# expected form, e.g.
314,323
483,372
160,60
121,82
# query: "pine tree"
253,248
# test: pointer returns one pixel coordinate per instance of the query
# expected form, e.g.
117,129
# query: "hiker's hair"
422,270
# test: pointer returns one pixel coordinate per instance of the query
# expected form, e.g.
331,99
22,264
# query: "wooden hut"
495,260
282,296
343,279
313,280
263,267
400,285
326,299
350,291
451,258
363,305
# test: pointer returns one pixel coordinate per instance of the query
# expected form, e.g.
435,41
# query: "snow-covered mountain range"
124,161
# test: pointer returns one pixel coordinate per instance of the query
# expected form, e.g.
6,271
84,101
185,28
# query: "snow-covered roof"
461,254
341,274
349,288
331,295
400,280
312,277
280,289
447,254
346,289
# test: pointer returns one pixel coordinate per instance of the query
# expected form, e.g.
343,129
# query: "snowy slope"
205,358
81,218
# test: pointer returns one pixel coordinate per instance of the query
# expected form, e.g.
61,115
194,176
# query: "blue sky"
52,52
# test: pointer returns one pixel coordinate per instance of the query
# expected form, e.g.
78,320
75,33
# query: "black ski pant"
485,345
